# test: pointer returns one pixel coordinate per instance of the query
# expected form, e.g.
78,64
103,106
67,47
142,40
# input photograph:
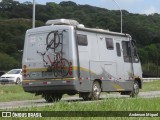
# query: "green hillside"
16,18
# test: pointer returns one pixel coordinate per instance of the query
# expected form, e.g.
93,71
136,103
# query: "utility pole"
121,15
34,9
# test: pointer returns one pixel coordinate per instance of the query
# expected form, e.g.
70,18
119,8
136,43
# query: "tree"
7,62
68,3
16,18
8,4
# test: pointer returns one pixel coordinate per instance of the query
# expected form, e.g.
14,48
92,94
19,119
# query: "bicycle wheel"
52,40
63,67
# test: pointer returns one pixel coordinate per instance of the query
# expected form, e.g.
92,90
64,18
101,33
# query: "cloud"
129,1
150,10
123,1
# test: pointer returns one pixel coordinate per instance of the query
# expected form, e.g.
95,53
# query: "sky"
132,6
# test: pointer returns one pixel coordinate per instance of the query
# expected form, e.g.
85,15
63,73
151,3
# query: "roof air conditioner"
62,22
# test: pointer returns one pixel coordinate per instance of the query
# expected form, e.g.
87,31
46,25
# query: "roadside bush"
7,62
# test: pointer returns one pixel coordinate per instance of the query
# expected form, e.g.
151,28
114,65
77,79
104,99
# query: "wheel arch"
99,81
18,80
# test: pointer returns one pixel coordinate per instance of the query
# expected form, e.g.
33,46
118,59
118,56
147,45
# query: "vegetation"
15,19
111,104
151,86
16,92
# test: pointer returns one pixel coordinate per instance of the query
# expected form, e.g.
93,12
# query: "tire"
96,90
95,94
135,91
52,40
53,98
48,98
18,81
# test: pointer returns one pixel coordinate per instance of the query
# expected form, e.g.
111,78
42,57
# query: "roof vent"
81,26
62,22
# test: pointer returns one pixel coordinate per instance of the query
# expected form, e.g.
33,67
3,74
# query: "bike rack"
60,44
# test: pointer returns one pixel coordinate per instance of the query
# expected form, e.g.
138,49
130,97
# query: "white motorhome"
64,57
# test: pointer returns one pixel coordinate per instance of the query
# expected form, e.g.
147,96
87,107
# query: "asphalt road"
42,102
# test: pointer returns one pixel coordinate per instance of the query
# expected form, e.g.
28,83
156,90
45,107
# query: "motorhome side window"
127,48
109,43
126,51
118,49
82,40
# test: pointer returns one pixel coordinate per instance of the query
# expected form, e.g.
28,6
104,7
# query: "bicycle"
60,66
53,40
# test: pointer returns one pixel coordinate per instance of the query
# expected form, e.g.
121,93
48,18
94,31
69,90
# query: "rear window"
118,49
14,72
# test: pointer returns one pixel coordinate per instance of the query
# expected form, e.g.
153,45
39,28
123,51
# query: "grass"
16,92
110,104
151,86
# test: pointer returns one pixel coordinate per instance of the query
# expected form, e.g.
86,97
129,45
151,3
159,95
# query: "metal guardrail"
150,79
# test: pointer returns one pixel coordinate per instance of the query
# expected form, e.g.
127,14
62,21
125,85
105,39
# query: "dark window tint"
126,51
135,57
109,43
118,49
82,40
127,48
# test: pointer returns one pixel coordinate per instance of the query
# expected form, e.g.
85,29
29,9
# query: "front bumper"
7,81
